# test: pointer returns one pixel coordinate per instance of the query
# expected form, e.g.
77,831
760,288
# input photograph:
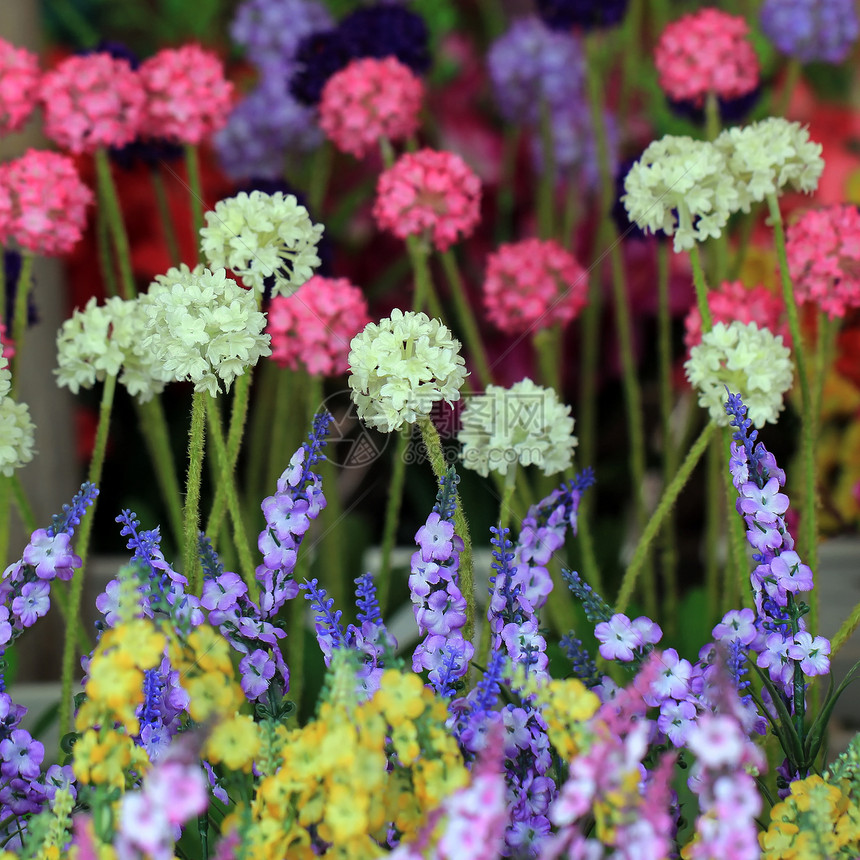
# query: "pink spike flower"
368,100
533,284
429,192
47,202
19,86
187,96
823,249
92,101
312,327
734,301
706,52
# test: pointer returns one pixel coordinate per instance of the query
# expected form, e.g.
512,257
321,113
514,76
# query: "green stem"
827,331
737,537
792,76
23,504
225,476
744,233
701,289
163,202
238,417
546,181
713,512
669,552
590,356
417,251
76,586
547,344
109,199
320,175
670,496
506,486
195,190
466,318
5,506
392,517
433,447
191,515
843,634
506,198
808,419
106,259
153,424
19,316
296,649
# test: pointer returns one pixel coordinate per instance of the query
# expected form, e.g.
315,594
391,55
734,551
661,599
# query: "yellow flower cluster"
105,753
566,705
819,820
204,664
333,776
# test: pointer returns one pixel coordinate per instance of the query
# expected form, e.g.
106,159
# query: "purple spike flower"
811,30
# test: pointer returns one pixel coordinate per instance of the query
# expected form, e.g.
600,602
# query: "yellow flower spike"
346,812
210,651
235,742
400,697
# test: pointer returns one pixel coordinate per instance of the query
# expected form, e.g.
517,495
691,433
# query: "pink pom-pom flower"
312,327
706,52
368,100
19,86
733,301
92,101
432,192
47,202
823,248
187,96
533,284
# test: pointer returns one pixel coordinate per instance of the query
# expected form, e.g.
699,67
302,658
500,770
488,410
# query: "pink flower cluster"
429,191
733,301
19,86
43,202
92,101
368,100
824,258
188,97
533,284
703,52
313,326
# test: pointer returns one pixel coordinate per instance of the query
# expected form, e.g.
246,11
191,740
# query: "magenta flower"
19,86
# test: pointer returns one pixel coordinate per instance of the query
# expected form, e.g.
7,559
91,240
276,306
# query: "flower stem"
19,316
433,446
225,476
76,586
191,515
106,259
737,561
157,437
670,496
808,419
507,486
238,416
701,289
421,270
669,551
110,201
466,317
392,517
195,190
163,202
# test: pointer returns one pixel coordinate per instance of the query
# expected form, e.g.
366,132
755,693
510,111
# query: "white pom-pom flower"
260,236
401,366
17,431
201,326
749,360
523,424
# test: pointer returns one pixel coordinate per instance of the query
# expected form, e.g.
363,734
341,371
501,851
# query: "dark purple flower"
388,30
588,14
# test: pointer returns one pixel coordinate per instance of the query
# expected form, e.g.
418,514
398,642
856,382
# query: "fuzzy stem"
466,318
670,496
808,419
19,317
110,201
669,553
163,202
153,423
191,515
433,447
225,476
238,416
714,467
392,517
546,181
195,191
76,586
737,536
506,485
701,289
